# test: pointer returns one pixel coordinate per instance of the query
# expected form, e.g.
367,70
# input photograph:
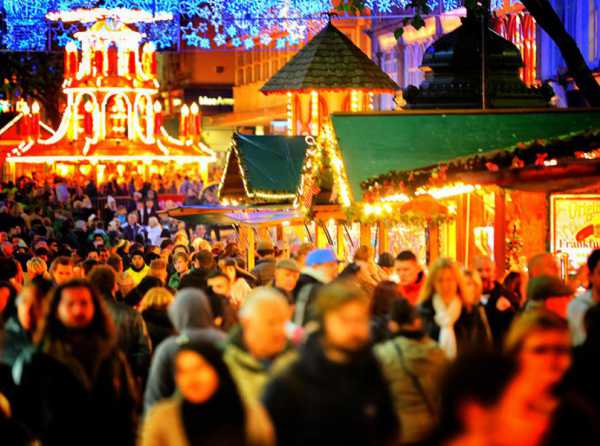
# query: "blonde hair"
158,297
435,268
530,322
36,266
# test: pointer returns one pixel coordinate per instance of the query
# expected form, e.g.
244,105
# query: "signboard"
575,225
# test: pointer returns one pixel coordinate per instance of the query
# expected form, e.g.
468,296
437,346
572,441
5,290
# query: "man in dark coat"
335,393
500,305
132,334
76,387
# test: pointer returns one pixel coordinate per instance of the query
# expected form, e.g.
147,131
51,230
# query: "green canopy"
374,144
264,168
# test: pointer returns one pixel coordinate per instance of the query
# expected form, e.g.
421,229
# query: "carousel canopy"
330,61
374,144
263,168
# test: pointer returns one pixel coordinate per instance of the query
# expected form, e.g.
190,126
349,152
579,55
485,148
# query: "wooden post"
279,233
500,232
341,252
248,235
434,241
384,238
365,234
320,237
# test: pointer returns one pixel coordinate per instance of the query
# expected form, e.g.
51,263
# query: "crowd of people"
126,334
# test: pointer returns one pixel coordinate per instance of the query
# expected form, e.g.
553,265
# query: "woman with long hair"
208,409
449,314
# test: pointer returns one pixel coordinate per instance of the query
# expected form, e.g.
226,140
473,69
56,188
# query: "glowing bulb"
71,47
25,109
88,107
157,107
149,47
194,109
35,108
185,110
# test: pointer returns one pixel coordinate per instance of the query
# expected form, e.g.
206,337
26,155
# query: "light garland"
440,193
314,113
290,114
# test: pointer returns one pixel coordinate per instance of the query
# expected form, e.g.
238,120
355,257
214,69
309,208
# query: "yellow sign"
575,225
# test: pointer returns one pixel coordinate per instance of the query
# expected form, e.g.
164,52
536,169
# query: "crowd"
123,334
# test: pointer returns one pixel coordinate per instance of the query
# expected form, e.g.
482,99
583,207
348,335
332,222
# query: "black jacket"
159,325
15,341
471,329
132,335
304,296
59,409
316,401
500,321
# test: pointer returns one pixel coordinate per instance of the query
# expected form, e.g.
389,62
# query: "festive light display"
112,114
38,25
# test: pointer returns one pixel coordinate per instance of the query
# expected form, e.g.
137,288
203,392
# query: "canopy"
233,215
263,168
377,143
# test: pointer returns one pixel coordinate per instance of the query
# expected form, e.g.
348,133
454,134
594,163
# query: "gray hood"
190,310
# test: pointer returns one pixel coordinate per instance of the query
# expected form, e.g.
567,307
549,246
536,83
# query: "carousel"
112,122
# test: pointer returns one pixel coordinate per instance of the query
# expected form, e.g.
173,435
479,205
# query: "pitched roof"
330,61
376,144
263,168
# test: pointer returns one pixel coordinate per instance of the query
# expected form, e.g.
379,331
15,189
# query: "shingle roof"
330,61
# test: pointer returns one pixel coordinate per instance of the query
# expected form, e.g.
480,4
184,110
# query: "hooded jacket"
317,401
192,319
423,359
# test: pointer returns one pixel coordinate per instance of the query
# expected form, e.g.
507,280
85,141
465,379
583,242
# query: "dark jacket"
15,341
132,335
159,325
193,321
317,401
472,329
131,232
499,320
63,409
304,296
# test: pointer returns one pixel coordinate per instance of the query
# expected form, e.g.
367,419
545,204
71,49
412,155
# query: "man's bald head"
543,265
263,317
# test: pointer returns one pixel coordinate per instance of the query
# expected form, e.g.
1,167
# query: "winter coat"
132,336
14,342
163,426
472,329
62,407
137,276
250,374
304,294
193,321
159,325
315,401
416,403
499,321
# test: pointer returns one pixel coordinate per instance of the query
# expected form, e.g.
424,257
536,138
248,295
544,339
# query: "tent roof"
375,144
264,165
330,61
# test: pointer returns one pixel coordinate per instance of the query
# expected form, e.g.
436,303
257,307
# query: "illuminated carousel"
112,122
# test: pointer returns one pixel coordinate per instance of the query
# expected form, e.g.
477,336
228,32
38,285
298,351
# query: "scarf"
446,316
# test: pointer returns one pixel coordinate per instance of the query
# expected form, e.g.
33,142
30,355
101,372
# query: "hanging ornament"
540,158
517,163
492,167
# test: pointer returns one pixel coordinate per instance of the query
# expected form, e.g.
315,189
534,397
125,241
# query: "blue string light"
239,23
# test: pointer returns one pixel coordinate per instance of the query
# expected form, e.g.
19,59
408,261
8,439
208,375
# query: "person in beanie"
138,268
76,386
265,267
335,392
413,365
287,273
321,267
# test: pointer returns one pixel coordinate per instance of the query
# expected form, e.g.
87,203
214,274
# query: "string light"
440,193
354,102
290,114
314,112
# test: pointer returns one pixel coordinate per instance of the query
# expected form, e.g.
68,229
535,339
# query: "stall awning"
234,215
263,168
375,144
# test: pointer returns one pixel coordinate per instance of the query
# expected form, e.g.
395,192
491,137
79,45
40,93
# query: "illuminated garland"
445,179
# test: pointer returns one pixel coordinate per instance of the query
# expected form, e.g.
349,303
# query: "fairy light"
290,114
396,198
354,101
314,112
440,193
371,97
